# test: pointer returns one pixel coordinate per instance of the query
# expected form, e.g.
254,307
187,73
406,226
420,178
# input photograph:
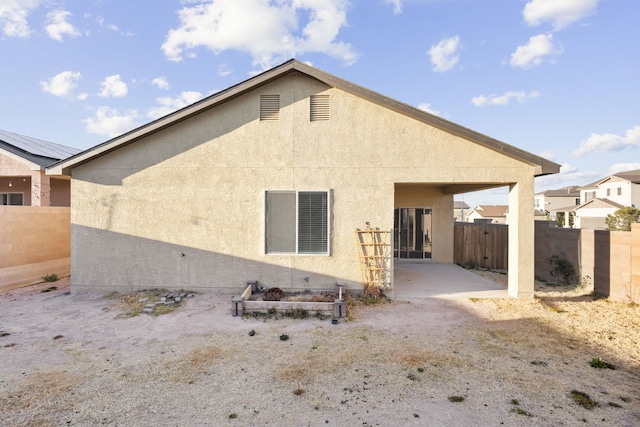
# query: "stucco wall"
34,242
185,207
60,192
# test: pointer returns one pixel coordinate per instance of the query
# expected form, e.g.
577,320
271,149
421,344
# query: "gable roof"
491,211
34,150
570,191
632,176
292,66
459,204
596,203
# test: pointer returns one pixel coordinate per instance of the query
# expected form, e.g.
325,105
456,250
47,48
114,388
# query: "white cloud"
548,154
534,52
113,86
269,31
504,99
112,27
109,122
623,167
161,82
427,107
223,70
169,105
569,175
62,84
397,6
560,13
608,142
13,17
443,55
57,26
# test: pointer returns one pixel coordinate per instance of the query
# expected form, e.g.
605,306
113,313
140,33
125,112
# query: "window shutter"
281,222
312,222
320,107
269,107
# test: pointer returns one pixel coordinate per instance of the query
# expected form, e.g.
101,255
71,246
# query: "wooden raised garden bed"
253,301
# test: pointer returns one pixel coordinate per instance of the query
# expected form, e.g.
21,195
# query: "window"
608,192
619,191
297,222
14,199
577,201
536,203
589,195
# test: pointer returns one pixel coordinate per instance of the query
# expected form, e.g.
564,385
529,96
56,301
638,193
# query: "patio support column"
40,188
521,239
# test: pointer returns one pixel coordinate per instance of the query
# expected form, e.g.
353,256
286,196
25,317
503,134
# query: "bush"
273,294
50,277
563,269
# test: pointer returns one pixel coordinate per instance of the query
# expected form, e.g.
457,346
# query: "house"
550,200
23,180
603,197
460,209
268,179
492,214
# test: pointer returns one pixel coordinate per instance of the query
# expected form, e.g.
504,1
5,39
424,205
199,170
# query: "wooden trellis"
375,253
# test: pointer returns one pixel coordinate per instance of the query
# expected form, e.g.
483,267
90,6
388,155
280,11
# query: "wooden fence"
481,245
609,260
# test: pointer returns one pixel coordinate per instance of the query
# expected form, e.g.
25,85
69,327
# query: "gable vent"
269,107
320,108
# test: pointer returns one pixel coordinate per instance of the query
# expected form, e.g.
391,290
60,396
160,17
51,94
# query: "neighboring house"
492,214
23,180
268,179
604,197
550,200
592,215
460,210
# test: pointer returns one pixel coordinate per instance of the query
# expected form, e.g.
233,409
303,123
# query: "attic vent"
269,107
320,108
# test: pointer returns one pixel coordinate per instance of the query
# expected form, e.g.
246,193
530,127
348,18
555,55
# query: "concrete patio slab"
445,281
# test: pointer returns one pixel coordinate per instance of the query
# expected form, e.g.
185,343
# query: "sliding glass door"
412,233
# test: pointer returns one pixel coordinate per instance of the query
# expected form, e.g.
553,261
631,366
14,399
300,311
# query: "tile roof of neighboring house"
543,165
457,204
491,211
572,190
35,150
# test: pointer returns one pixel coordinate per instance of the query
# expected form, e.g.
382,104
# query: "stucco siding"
185,207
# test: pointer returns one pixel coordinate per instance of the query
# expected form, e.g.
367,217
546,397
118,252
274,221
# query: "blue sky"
558,78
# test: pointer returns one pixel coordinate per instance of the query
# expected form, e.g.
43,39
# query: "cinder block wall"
34,241
617,255
550,241
635,263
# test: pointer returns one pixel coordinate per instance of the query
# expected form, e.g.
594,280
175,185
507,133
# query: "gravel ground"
73,359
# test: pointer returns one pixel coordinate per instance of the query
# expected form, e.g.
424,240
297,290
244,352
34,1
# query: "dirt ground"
73,359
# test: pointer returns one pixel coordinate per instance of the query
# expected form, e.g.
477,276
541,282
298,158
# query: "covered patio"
419,280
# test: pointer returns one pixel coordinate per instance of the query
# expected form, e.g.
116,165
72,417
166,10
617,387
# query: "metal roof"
35,150
64,167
